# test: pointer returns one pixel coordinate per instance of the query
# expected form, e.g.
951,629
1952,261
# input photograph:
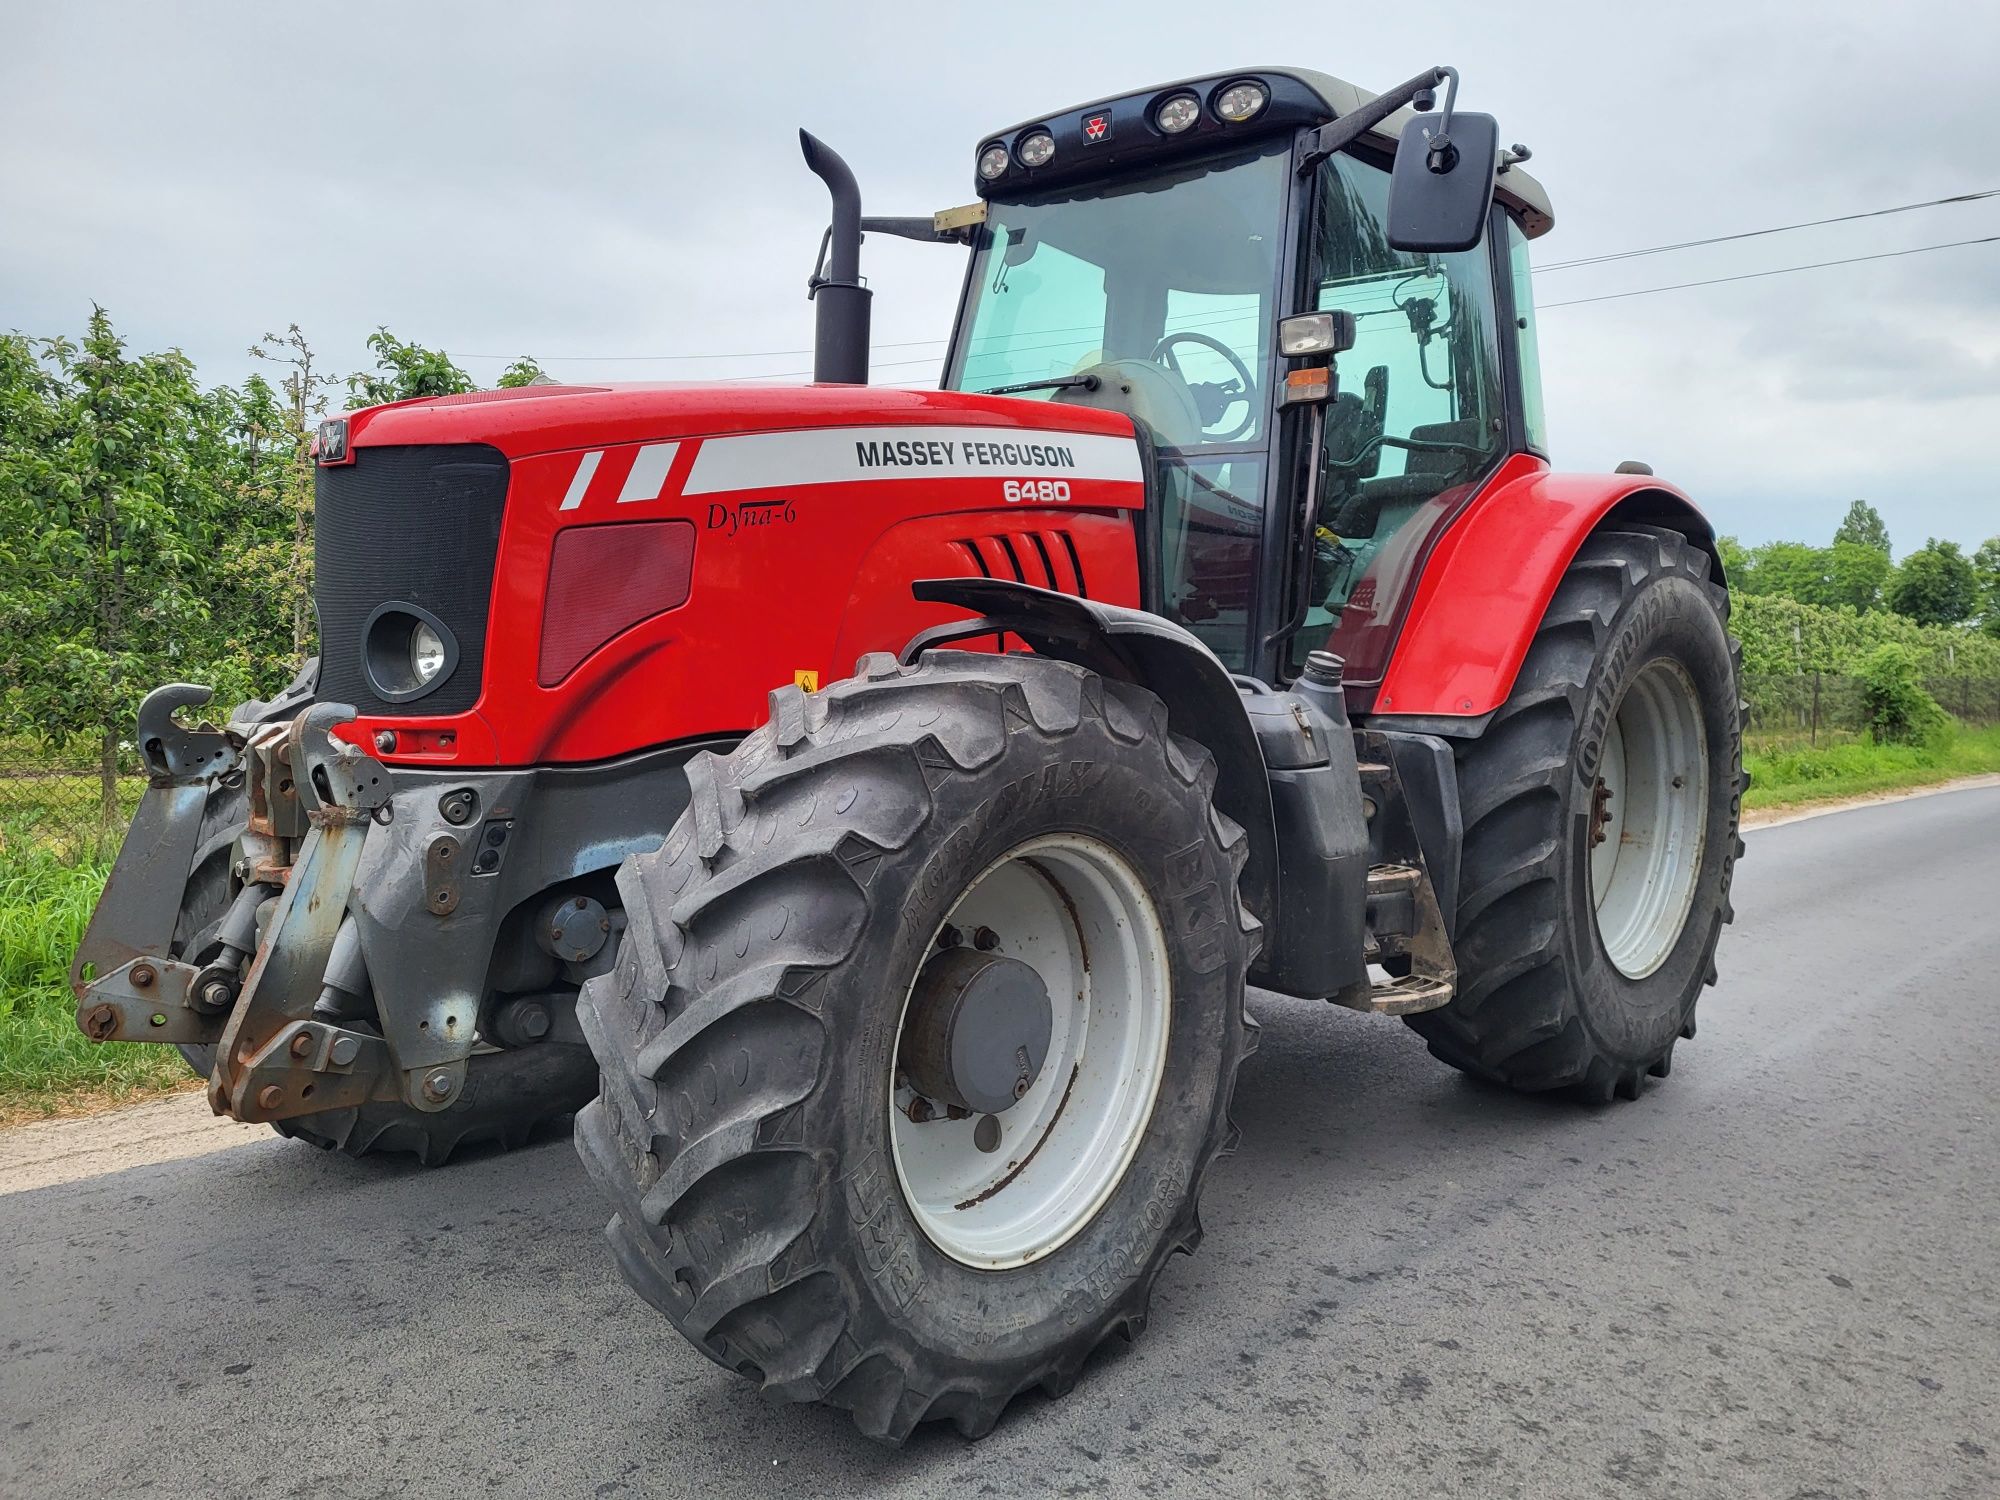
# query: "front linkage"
313,800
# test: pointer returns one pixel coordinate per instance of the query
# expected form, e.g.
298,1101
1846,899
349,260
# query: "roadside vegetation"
47,1066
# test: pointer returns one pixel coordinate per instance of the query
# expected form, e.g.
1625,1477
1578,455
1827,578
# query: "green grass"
1854,768
47,1066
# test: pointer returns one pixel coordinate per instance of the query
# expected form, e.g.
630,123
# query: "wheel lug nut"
985,939
949,936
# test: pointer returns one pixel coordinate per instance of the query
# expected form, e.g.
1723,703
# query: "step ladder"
1432,979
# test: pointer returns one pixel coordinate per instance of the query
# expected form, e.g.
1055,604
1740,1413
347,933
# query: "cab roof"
1300,97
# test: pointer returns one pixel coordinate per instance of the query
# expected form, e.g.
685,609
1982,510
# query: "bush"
1899,711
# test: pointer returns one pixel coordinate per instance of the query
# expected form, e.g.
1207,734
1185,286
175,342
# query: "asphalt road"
1776,1274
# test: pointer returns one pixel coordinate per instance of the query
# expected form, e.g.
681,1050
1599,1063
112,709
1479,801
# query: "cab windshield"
1166,288
1169,279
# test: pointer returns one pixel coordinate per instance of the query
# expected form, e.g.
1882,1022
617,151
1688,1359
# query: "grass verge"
1796,777
47,1066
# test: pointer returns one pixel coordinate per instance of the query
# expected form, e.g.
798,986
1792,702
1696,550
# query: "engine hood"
528,420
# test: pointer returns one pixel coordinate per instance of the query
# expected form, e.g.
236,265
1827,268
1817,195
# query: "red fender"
1489,578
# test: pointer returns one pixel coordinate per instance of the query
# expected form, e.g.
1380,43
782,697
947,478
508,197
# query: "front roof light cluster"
992,161
1178,113
1242,101
1035,148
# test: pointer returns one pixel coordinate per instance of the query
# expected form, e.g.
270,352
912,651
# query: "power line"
1751,234
1562,265
1818,265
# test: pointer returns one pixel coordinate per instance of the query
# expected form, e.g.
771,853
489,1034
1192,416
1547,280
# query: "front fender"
1156,654
1489,579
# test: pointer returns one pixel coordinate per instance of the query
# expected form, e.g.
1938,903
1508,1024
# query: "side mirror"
1442,184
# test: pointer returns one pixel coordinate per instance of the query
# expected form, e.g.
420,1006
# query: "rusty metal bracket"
135,915
176,755
147,1000
341,787
444,865
335,780
309,1066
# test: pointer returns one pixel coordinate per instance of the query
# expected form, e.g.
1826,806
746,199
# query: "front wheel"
1601,809
923,1036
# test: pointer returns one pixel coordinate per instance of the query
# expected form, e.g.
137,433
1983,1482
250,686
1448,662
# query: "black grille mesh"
419,525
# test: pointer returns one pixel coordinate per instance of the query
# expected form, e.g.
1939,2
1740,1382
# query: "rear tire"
1565,984
750,1036
507,1094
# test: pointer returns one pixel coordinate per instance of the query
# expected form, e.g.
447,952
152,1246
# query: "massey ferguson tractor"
879,801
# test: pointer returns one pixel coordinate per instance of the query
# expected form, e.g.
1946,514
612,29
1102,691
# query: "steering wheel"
1211,400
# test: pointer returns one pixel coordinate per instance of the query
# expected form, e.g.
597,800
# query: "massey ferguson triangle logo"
1096,127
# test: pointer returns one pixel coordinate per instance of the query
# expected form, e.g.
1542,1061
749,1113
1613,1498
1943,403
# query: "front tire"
756,1131
1601,808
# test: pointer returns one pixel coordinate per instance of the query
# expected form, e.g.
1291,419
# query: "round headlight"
426,652
1177,114
1241,101
1036,147
992,162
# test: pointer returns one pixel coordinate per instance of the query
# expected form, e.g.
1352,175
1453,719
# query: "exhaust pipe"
840,328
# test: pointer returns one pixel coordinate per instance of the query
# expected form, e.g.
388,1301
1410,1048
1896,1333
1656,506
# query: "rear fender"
1132,646
1490,577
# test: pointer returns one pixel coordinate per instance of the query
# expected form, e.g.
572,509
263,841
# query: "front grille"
415,525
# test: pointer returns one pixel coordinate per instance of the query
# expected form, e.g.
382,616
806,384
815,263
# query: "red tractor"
879,801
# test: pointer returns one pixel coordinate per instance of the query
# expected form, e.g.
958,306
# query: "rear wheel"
507,1094
1601,810
923,1036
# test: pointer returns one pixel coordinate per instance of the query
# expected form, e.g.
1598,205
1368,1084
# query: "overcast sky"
587,181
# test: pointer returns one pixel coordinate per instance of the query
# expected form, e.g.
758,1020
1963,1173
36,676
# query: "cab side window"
1419,406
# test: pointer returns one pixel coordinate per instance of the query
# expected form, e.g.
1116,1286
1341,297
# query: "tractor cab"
1143,253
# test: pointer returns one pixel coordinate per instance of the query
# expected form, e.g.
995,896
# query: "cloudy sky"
588,183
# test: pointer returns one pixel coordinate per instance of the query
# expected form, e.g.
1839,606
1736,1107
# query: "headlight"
1241,101
406,651
1035,149
992,162
426,652
1177,114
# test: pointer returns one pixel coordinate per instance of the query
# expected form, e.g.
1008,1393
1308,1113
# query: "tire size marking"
891,1256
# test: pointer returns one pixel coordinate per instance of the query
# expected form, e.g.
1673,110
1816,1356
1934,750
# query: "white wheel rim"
1078,914
1649,819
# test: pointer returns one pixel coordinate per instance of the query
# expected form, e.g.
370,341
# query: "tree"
1736,565
1863,526
291,431
1792,569
524,371
1936,585
1855,574
1986,564
407,370
107,512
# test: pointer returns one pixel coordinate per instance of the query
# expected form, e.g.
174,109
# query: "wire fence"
1812,708
59,806
59,802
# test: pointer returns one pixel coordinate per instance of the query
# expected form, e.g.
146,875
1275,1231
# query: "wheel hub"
977,1031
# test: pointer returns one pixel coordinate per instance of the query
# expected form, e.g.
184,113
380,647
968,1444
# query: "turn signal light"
603,580
1302,387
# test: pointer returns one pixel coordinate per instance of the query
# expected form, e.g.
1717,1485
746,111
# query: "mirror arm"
1420,93
924,230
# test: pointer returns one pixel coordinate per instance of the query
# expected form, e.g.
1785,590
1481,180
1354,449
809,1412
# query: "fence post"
1815,710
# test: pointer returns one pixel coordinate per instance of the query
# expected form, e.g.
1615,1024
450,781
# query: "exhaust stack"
840,329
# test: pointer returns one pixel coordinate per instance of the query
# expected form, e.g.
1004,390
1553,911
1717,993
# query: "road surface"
1776,1274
